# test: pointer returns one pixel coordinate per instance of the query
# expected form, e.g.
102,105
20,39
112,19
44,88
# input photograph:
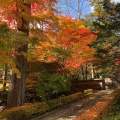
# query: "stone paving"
74,109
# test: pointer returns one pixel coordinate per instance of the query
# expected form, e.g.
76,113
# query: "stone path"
74,109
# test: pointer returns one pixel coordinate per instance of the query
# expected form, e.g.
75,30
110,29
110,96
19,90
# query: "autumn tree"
7,43
77,9
74,38
69,46
25,16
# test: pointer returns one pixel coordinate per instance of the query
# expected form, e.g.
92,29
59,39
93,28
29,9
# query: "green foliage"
9,39
61,53
106,21
53,84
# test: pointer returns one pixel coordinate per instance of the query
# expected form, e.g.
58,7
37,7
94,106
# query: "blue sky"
115,0
70,7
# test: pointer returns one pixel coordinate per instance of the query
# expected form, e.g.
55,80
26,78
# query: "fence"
90,84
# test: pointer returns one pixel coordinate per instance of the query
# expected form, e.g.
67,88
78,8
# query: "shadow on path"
74,109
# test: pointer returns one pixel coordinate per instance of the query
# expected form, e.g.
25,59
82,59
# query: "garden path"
74,109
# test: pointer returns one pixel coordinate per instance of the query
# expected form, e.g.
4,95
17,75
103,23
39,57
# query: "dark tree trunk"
82,70
17,87
5,78
86,72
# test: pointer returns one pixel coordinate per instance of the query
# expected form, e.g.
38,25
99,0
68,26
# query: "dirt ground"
74,109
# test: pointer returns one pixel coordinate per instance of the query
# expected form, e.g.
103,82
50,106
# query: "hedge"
68,99
24,112
55,103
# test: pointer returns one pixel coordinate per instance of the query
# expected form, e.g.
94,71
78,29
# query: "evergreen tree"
107,23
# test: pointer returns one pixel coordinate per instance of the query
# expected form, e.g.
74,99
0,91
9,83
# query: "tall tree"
69,45
107,21
75,37
17,90
77,9
24,15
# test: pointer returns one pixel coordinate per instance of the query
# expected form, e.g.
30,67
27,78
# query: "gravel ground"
74,109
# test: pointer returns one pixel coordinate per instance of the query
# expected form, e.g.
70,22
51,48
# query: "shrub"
41,107
88,91
71,98
54,84
22,112
55,103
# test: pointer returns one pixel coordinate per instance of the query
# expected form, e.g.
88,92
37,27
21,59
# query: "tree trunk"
17,86
5,78
82,70
92,70
86,72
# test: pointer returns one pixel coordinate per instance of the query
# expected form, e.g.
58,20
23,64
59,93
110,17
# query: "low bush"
23,112
53,84
88,91
69,98
55,103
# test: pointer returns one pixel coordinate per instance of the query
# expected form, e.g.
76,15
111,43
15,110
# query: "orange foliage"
71,35
41,10
74,36
42,20
95,112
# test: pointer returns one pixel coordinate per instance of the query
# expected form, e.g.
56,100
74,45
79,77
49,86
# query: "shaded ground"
74,109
